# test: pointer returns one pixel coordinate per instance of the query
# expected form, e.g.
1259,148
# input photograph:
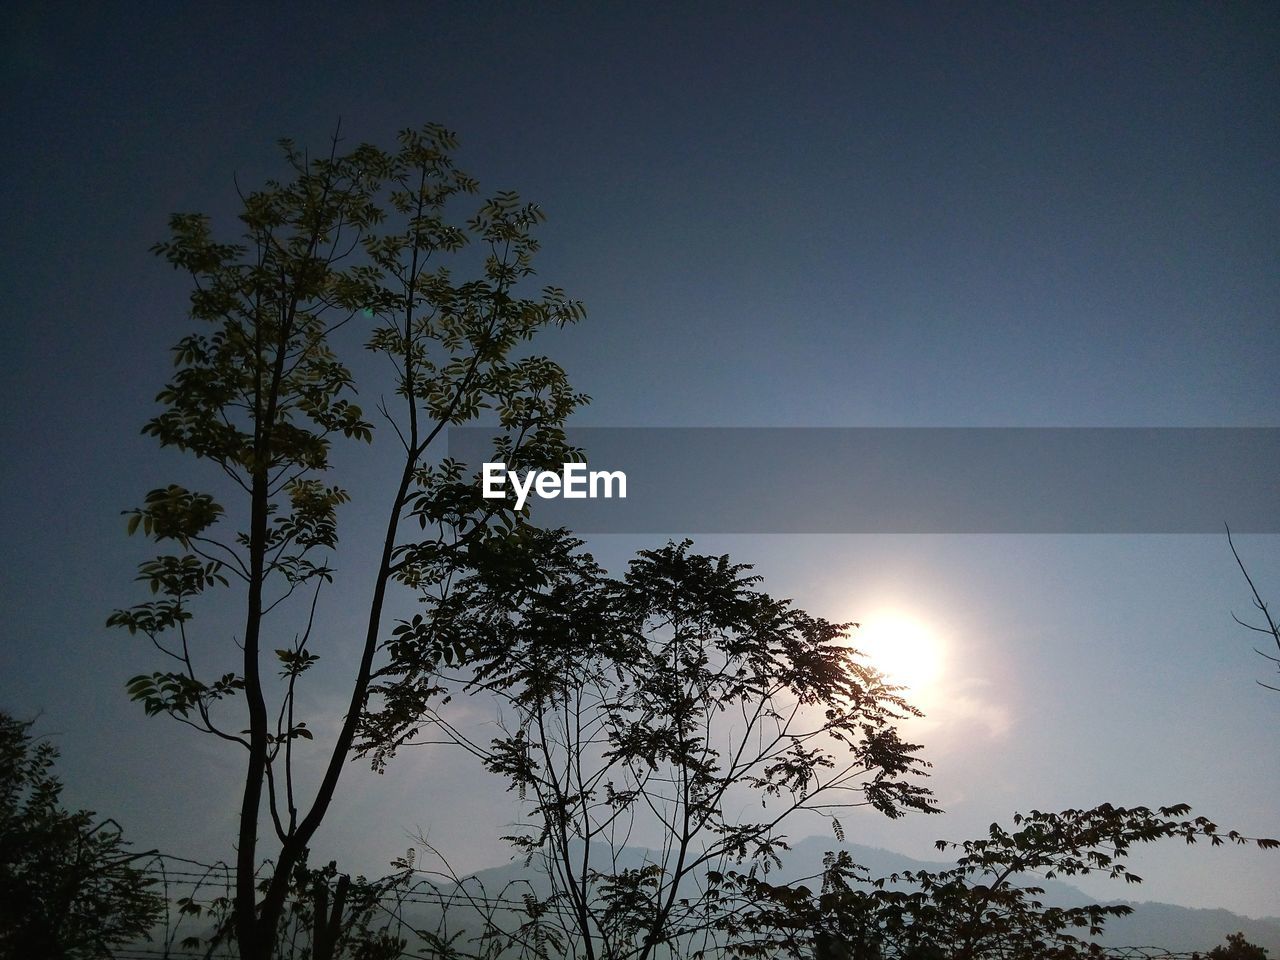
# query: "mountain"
1151,924
1175,928
1184,928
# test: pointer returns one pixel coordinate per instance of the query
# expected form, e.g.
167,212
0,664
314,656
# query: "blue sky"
908,215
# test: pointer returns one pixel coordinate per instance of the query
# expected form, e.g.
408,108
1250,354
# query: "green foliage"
364,243
672,698
177,693
68,887
263,393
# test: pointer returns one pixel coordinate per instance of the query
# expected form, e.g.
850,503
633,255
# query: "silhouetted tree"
661,706
262,392
68,885
1237,948
987,908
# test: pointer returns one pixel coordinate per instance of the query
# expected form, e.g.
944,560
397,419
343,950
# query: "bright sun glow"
906,651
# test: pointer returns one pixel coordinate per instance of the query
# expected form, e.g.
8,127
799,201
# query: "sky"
906,215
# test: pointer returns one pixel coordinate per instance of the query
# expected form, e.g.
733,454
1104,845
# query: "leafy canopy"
361,244
663,705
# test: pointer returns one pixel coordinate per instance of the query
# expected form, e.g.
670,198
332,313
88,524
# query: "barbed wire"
446,893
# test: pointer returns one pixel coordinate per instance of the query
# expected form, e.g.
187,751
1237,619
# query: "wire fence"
416,910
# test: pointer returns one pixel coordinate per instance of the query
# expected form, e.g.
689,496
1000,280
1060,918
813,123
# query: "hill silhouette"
1175,928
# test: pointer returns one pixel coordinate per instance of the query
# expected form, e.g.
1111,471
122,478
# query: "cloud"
965,705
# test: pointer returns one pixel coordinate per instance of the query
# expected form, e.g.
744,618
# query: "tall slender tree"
264,390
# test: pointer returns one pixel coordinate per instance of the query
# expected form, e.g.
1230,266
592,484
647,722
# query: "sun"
906,651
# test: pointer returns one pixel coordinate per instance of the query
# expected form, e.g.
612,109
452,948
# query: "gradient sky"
899,215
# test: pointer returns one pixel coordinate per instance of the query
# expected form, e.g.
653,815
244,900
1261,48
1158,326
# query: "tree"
988,907
651,708
69,888
262,393
1237,948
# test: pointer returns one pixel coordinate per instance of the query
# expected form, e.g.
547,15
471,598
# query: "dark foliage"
262,392
663,703
987,908
69,889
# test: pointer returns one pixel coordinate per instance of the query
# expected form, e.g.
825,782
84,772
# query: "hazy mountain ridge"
1170,926
1160,924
